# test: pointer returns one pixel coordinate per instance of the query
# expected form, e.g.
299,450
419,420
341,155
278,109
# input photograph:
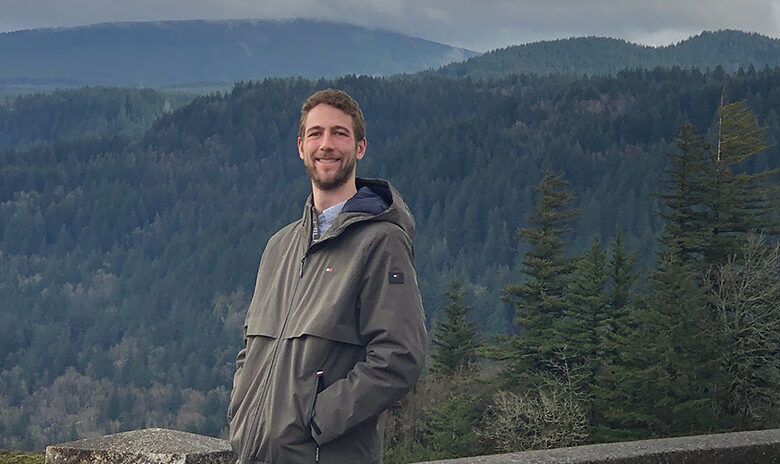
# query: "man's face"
328,147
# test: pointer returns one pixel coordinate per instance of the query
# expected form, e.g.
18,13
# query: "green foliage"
673,354
585,314
685,215
455,338
664,381
540,300
81,113
738,203
621,271
587,321
606,393
439,419
710,207
18,457
451,429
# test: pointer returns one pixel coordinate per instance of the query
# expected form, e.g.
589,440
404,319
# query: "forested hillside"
600,55
81,113
126,263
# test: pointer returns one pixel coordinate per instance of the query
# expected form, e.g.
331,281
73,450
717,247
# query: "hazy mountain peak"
172,52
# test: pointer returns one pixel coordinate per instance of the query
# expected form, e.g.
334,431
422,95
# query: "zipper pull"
303,264
317,455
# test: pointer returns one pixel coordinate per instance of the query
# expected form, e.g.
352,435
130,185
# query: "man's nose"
327,142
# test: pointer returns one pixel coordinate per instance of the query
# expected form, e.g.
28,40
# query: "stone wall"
756,447
161,446
148,446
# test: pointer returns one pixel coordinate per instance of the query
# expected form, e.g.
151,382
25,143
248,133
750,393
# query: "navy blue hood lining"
373,198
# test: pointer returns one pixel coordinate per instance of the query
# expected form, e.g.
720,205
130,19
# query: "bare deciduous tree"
745,294
540,419
550,416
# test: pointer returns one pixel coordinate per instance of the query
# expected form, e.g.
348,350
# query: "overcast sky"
479,25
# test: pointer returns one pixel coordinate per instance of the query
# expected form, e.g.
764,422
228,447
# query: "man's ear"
360,150
300,147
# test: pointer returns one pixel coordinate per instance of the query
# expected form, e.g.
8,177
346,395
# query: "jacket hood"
375,200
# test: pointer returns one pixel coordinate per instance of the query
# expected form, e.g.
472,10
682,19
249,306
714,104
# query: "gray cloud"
475,24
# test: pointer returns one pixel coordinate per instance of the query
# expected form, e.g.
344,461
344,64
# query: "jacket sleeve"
392,328
237,378
241,357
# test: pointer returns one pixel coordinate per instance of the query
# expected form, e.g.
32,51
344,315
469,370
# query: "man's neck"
324,199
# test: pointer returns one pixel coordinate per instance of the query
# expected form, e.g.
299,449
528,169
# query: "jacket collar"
363,207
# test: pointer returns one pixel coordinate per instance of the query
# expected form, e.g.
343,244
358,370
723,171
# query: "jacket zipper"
312,424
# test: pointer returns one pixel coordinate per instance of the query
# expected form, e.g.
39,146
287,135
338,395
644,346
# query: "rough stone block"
148,446
754,447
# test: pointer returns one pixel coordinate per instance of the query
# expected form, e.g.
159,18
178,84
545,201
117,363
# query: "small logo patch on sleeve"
395,277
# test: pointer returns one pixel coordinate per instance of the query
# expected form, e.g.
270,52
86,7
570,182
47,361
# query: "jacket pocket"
310,413
311,425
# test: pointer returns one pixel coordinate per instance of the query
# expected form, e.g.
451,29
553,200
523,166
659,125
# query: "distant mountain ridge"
606,56
164,53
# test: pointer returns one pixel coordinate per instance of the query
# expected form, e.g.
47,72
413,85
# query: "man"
335,331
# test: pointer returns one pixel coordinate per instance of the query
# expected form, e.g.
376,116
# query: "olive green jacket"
334,335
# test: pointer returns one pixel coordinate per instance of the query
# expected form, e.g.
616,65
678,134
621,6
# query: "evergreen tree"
709,206
608,388
455,338
450,430
672,382
686,228
737,203
587,320
620,271
596,328
540,300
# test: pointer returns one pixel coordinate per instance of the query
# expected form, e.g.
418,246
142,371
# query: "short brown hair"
337,99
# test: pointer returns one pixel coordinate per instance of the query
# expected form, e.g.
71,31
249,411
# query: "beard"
335,180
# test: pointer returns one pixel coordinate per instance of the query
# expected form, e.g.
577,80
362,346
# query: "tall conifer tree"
686,229
675,376
540,300
622,277
737,203
586,320
609,393
455,338
665,379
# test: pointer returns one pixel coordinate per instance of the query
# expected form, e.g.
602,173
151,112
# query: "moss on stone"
21,457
